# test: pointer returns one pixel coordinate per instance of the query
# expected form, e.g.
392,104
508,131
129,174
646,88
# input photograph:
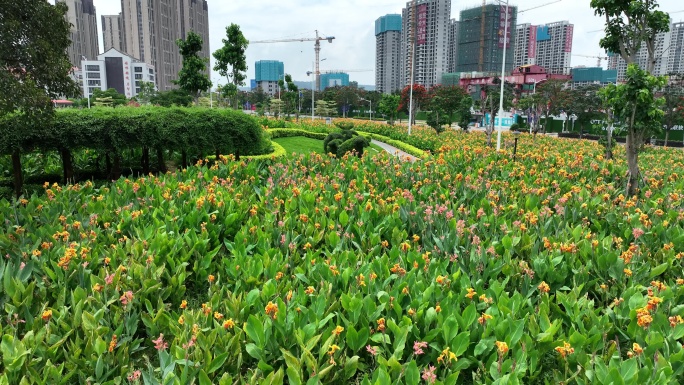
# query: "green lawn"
304,145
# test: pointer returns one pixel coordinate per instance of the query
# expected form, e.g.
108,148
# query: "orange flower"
471,293
544,287
288,297
218,316
644,318
228,323
338,330
310,290
637,349
502,347
211,278
112,343
484,318
184,304
381,324
47,314
272,310
565,349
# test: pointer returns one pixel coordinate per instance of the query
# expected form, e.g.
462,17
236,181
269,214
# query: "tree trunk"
67,166
667,136
632,163
161,165
108,164
116,168
609,144
145,160
16,168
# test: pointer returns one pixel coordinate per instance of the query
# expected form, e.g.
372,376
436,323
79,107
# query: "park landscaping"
465,267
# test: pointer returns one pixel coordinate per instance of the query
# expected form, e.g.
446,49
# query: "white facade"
452,55
117,70
430,28
669,54
112,33
83,33
388,59
548,46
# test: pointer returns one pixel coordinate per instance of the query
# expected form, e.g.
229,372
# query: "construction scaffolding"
481,38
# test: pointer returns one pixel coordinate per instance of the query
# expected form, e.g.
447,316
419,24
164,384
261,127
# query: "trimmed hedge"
192,131
407,148
278,152
117,129
276,133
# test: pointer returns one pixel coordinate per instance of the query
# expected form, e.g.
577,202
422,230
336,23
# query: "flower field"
466,267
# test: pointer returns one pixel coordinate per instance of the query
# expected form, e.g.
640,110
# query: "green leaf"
461,343
203,378
412,373
253,351
217,362
255,331
350,367
344,218
450,329
658,270
293,376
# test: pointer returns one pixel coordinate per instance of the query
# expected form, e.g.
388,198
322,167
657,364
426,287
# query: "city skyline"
354,29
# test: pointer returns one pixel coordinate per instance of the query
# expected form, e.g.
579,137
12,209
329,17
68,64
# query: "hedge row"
290,132
407,148
117,129
194,132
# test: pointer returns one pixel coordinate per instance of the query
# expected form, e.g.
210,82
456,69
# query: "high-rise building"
481,38
548,46
388,53
268,72
112,33
151,28
667,57
452,47
425,39
84,41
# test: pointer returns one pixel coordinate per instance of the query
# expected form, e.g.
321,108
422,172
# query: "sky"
352,23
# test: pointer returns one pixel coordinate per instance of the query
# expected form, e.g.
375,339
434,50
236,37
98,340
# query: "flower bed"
467,267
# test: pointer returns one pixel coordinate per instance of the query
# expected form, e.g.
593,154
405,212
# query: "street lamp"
370,111
313,86
503,74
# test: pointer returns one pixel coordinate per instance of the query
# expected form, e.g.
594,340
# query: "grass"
303,145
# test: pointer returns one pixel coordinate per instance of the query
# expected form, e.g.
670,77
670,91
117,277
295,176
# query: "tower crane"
598,58
317,49
338,71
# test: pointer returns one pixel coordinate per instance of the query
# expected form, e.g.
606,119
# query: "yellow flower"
211,278
471,293
272,310
181,320
637,349
502,347
544,287
310,290
184,304
628,272
228,323
338,330
333,349
47,314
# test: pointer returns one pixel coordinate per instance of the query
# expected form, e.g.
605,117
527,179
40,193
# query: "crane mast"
317,50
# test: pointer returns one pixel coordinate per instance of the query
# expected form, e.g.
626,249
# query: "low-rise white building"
114,69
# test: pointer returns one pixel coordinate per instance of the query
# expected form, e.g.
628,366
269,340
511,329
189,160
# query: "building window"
92,75
92,68
138,76
137,69
93,82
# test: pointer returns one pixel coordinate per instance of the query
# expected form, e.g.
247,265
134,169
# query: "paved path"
395,151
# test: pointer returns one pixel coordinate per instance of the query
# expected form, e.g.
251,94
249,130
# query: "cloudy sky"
352,22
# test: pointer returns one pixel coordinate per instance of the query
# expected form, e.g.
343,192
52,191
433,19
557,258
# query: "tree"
489,103
445,102
34,68
629,26
673,93
585,103
232,55
551,95
289,94
109,98
325,108
636,105
420,99
171,98
389,104
147,91
192,77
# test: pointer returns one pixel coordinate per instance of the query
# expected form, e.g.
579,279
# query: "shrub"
356,144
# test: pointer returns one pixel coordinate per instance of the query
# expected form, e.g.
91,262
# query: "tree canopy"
232,55
192,77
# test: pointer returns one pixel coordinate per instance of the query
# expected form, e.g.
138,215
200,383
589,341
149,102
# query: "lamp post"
370,111
313,87
503,73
